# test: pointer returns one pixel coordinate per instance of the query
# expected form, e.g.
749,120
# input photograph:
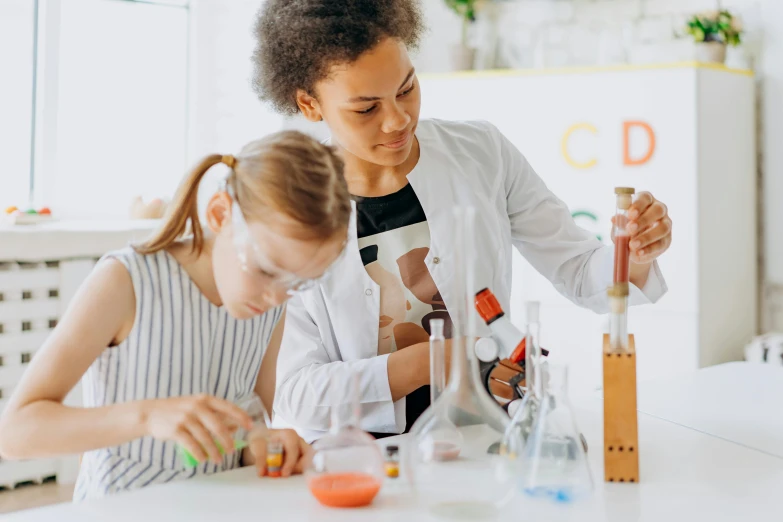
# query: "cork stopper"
628,191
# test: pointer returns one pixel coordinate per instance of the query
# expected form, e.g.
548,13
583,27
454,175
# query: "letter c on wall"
564,146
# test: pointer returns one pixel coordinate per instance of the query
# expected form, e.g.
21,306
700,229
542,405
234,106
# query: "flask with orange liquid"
347,467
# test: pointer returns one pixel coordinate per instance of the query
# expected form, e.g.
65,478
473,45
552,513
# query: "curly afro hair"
299,40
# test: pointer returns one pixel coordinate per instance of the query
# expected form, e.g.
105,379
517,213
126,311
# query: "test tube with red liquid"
622,239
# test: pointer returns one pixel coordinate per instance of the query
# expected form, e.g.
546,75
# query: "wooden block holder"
621,434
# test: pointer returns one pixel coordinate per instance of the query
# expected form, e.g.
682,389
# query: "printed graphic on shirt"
394,259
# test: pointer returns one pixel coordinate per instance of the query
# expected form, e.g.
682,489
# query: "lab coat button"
436,260
368,292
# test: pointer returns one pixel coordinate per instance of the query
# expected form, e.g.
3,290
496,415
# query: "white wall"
226,113
533,33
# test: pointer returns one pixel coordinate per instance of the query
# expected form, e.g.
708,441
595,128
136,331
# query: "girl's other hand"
196,423
296,452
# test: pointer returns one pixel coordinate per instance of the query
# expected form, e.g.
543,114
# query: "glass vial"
392,465
274,458
255,409
618,319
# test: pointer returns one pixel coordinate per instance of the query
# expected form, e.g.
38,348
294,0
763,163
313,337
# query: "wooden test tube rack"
621,433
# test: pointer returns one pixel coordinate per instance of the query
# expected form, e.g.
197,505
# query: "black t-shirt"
394,241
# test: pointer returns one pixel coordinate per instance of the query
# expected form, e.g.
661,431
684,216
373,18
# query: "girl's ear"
218,211
309,106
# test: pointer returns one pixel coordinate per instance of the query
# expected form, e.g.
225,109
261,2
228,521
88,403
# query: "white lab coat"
332,330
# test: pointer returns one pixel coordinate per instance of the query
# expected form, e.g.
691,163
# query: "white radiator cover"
41,268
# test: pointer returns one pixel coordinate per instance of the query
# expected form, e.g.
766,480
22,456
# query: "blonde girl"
169,336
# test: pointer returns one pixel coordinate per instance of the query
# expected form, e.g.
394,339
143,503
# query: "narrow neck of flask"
437,360
554,378
464,364
533,359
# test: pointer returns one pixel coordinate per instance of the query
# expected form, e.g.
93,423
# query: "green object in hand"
191,462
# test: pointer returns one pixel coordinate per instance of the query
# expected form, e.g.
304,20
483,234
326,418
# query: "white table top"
739,402
685,475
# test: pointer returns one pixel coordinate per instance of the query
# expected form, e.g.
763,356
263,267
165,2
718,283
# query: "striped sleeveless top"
180,344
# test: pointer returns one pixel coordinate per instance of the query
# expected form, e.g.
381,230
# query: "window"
94,103
17,34
121,117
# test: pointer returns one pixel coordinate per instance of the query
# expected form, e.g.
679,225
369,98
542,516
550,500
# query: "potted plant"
462,54
713,31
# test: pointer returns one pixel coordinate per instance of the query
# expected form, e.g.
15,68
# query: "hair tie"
229,160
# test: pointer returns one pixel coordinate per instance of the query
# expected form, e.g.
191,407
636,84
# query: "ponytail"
183,209
286,172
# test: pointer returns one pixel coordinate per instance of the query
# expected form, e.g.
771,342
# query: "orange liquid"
445,451
622,252
344,489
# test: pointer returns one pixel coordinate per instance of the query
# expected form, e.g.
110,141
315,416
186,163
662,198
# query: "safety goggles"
254,262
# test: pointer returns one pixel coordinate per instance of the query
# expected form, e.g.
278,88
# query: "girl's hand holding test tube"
296,452
650,228
198,423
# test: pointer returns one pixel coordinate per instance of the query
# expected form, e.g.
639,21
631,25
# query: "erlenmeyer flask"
554,462
346,469
525,415
439,473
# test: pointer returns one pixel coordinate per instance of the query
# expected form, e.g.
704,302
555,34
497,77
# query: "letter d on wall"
627,159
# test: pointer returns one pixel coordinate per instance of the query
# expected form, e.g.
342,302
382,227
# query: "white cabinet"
41,268
684,132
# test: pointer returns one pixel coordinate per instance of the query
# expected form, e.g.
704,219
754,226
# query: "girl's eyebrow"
376,98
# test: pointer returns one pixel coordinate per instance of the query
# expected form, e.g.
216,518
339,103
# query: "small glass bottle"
274,458
554,460
260,418
437,359
346,469
392,466
618,319
622,238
